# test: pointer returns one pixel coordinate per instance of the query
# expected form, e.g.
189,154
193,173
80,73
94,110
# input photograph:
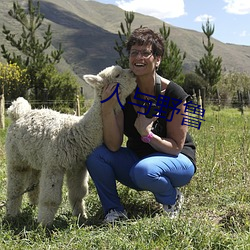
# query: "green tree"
172,61
12,82
209,67
31,50
60,88
124,35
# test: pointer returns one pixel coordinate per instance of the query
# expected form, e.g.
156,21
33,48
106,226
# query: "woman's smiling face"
141,59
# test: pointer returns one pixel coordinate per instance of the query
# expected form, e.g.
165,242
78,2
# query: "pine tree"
209,67
31,49
123,61
172,61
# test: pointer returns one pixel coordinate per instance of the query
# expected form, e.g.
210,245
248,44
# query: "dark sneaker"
114,215
172,211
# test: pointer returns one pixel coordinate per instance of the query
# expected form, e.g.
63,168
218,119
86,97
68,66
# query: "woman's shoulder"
164,84
170,88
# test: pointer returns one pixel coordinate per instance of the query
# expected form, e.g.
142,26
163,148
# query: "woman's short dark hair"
146,36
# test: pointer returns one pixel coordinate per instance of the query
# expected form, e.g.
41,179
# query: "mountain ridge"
88,30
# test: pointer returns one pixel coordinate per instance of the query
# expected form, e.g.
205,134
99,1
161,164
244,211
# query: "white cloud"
161,9
203,18
243,33
240,7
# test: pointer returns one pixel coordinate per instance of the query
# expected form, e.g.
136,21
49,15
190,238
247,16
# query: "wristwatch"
147,139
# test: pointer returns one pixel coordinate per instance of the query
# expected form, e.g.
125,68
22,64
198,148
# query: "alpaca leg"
77,181
50,195
34,186
16,179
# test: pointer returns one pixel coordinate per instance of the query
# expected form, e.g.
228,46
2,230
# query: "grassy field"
216,213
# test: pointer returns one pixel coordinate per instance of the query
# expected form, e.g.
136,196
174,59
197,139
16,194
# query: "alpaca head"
113,75
18,108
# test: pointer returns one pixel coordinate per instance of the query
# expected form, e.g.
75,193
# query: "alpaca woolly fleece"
43,145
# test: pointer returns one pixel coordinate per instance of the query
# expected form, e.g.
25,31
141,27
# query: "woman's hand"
144,124
107,92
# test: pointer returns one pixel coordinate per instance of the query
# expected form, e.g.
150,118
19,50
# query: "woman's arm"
112,122
176,133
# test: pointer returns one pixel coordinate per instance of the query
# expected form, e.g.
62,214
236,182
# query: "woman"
160,155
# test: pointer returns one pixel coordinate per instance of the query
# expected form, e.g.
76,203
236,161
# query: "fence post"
2,108
199,98
78,113
194,97
240,100
219,99
45,97
203,93
200,102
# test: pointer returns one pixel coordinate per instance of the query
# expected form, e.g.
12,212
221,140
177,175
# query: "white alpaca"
42,145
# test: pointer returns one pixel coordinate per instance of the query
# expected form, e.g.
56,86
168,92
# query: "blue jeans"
158,173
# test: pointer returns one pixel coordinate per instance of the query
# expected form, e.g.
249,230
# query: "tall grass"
216,213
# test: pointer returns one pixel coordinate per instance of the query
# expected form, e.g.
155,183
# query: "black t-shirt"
134,142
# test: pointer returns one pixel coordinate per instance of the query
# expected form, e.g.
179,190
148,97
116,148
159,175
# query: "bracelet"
147,139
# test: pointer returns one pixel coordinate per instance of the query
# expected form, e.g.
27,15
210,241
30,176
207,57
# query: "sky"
231,18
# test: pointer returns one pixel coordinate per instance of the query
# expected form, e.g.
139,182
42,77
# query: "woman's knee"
141,175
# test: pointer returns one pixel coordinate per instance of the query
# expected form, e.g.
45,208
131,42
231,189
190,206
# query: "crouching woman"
160,154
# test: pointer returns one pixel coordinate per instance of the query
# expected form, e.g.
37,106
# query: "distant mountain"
88,30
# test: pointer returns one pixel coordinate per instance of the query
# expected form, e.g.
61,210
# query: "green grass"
216,213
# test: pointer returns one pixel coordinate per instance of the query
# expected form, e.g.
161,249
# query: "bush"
59,89
193,83
231,85
13,81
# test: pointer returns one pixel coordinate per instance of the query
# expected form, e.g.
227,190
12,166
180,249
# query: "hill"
88,30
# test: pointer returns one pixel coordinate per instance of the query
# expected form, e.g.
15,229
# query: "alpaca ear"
93,80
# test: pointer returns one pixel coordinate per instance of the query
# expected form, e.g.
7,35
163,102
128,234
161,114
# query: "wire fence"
77,105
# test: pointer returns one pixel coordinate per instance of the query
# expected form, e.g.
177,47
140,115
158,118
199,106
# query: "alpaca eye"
117,75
